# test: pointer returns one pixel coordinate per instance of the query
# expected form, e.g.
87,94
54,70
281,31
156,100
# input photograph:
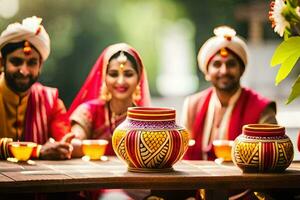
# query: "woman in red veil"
117,81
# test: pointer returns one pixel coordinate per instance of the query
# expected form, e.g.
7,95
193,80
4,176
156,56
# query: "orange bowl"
21,150
94,149
222,149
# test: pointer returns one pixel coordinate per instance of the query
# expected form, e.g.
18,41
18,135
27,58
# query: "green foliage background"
81,29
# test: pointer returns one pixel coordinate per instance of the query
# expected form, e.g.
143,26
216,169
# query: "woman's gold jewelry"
122,59
113,117
113,120
136,96
105,95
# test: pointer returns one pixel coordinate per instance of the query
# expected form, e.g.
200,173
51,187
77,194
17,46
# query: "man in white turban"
219,112
29,111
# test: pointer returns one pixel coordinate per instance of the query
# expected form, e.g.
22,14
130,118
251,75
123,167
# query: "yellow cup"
94,149
222,149
21,150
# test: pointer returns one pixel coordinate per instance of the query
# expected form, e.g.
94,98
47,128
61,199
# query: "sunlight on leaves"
286,67
285,50
295,91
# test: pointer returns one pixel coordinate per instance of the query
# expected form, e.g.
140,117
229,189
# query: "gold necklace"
114,118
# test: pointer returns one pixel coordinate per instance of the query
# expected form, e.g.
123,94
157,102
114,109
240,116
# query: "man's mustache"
19,75
226,76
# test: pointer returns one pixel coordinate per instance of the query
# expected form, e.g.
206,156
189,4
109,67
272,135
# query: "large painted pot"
262,148
149,139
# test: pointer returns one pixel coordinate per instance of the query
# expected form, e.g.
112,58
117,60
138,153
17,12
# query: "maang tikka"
122,59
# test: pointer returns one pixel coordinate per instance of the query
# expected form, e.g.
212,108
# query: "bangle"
4,149
36,151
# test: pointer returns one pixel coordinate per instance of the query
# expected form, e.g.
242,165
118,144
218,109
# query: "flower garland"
285,18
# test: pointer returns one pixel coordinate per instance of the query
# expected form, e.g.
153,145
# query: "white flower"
278,19
297,10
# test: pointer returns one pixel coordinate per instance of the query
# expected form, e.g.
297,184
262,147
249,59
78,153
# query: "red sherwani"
247,110
44,115
34,116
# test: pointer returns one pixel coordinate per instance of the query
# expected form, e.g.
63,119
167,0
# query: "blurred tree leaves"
79,30
141,24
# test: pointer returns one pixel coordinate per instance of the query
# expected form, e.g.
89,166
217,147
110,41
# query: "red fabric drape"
44,115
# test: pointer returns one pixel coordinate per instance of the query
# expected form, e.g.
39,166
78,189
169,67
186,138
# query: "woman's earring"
104,93
136,96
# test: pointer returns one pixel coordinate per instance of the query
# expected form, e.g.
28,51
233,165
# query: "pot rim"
94,141
22,144
151,109
151,113
263,130
223,142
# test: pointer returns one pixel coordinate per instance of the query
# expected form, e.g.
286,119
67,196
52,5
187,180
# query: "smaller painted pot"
262,148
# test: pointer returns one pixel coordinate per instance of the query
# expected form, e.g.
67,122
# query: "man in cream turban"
29,111
219,112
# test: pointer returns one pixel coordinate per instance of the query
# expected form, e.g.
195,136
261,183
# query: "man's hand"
53,150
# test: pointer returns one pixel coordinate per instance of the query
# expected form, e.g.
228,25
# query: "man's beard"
19,88
230,87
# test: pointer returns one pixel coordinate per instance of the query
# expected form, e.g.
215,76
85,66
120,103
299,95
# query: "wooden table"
76,174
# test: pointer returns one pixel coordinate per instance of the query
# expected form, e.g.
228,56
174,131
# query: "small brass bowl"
21,150
94,149
222,149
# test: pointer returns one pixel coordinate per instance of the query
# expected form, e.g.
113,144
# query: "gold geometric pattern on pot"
248,152
119,137
285,150
158,159
122,150
154,146
185,137
153,140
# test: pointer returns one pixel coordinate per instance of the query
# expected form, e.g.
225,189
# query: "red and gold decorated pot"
149,139
262,148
